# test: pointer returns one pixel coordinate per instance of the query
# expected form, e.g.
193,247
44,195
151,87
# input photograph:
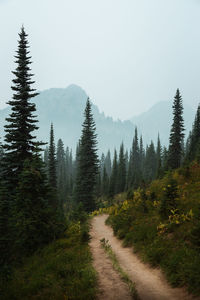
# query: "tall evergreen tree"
193,142
114,176
177,133
19,140
121,175
105,182
52,161
159,158
134,172
36,222
87,168
108,163
61,173
150,163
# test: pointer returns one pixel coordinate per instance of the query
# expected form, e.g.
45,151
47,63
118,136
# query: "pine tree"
19,141
52,161
134,172
121,175
142,157
46,159
193,142
37,222
61,173
176,135
87,168
114,176
150,163
5,229
105,182
108,163
159,158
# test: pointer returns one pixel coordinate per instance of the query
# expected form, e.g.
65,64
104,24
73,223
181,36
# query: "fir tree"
176,135
52,161
159,158
87,168
114,176
150,163
5,229
193,142
121,175
61,173
105,182
19,140
36,223
108,163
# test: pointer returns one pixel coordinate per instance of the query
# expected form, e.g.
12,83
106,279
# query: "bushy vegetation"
62,270
167,231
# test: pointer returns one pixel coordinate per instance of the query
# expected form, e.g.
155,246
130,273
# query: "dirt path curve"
150,283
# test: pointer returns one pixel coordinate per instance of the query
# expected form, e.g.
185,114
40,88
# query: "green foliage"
87,164
62,270
170,195
169,240
176,135
19,141
52,164
35,221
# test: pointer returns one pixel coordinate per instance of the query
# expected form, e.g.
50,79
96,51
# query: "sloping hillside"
65,107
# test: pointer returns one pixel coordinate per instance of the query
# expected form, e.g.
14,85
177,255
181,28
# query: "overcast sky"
126,54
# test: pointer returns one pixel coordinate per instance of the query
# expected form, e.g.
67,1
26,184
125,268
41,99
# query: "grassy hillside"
171,239
60,271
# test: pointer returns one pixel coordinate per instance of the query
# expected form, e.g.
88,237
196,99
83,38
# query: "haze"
126,54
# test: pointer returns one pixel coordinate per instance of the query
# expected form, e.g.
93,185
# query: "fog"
126,54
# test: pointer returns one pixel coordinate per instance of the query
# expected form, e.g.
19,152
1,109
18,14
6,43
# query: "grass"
105,244
60,271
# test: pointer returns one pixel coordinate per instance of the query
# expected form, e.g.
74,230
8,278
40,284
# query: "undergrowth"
165,228
60,271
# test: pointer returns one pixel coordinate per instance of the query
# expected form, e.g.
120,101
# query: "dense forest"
47,194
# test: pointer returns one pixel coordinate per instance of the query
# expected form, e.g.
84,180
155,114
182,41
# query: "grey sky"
126,54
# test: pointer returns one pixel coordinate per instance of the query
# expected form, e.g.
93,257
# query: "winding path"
150,283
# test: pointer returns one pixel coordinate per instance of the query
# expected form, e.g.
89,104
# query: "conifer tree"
177,133
52,161
61,173
19,140
87,165
142,157
46,159
193,142
5,229
159,158
108,163
105,182
134,173
121,175
114,176
36,222
150,163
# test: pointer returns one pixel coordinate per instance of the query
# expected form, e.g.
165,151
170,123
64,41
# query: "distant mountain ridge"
158,119
65,108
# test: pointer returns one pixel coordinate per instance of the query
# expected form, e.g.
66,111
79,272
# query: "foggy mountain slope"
159,119
65,107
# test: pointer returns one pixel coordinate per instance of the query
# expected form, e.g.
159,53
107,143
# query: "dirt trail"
150,283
